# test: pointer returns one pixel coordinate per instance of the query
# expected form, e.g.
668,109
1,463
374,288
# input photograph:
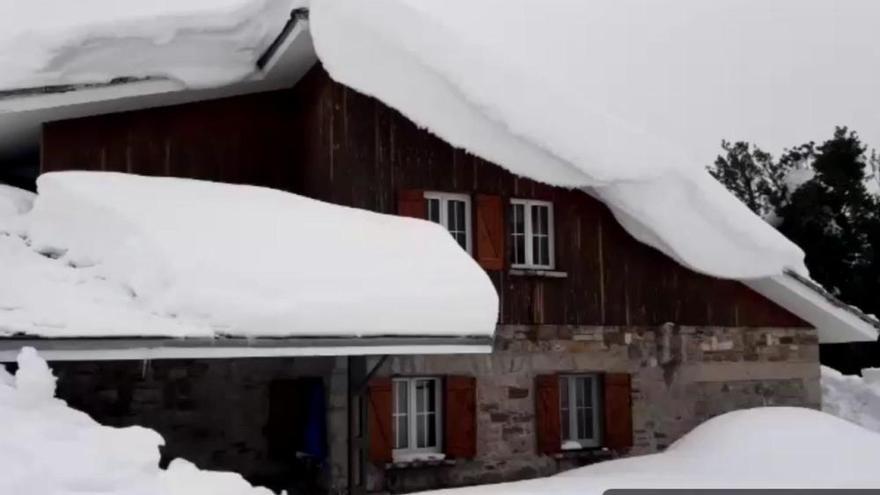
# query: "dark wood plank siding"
326,141
241,140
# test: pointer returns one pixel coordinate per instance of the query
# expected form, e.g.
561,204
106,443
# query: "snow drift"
130,255
48,448
605,96
198,42
756,448
852,397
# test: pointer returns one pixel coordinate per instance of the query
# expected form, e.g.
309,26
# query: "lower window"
579,411
416,417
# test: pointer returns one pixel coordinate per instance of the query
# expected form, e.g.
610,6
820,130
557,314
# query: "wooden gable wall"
329,142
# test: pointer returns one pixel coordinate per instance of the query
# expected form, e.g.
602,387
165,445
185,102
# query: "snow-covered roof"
613,113
113,255
590,116
198,42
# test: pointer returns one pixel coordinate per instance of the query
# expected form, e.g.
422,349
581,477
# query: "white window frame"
598,410
412,431
527,223
444,198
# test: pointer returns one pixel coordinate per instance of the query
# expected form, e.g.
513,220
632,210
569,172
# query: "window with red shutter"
379,424
490,232
547,415
618,411
461,417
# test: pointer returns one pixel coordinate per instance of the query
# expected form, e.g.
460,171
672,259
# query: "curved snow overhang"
835,321
23,111
126,349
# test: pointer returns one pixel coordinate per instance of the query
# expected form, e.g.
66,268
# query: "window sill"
532,272
585,453
412,462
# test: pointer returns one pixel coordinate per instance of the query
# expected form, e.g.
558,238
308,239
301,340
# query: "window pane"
581,424
401,414
580,400
589,434
544,251
563,408
433,209
536,250
518,239
432,430
456,219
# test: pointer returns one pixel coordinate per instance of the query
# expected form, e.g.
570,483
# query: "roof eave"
135,348
835,321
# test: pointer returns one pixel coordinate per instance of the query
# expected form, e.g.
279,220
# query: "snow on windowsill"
533,272
419,459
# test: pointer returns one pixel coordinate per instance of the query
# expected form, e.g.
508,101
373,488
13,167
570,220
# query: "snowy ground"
48,448
99,255
851,397
756,448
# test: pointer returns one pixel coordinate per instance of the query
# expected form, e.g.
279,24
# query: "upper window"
579,411
416,416
452,211
531,231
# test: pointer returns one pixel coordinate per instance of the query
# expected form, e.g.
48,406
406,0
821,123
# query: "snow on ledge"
126,255
198,42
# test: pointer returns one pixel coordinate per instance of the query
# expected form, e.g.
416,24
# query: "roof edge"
138,348
835,321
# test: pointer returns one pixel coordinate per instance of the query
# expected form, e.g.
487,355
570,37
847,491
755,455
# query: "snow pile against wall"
49,448
606,95
757,448
199,42
852,397
131,255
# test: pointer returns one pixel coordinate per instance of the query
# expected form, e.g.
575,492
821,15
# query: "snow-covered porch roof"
116,266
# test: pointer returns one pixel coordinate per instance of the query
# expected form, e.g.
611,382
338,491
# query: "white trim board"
162,352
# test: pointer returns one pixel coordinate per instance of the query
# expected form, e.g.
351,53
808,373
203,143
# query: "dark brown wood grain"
617,402
380,419
460,417
547,414
326,141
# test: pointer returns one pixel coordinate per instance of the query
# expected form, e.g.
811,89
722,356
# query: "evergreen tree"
817,197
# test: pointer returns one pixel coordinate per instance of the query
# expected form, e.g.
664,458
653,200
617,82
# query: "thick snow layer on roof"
608,95
48,448
774,447
199,42
106,254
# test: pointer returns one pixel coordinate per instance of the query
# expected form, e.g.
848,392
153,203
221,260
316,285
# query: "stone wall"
681,376
214,412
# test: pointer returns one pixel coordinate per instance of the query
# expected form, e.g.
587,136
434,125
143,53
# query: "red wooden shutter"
381,433
490,232
460,420
618,411
547,415
411,203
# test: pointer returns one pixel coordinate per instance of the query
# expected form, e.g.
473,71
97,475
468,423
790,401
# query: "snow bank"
49,448
607,95
199,42
758,448
131,255
852,397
